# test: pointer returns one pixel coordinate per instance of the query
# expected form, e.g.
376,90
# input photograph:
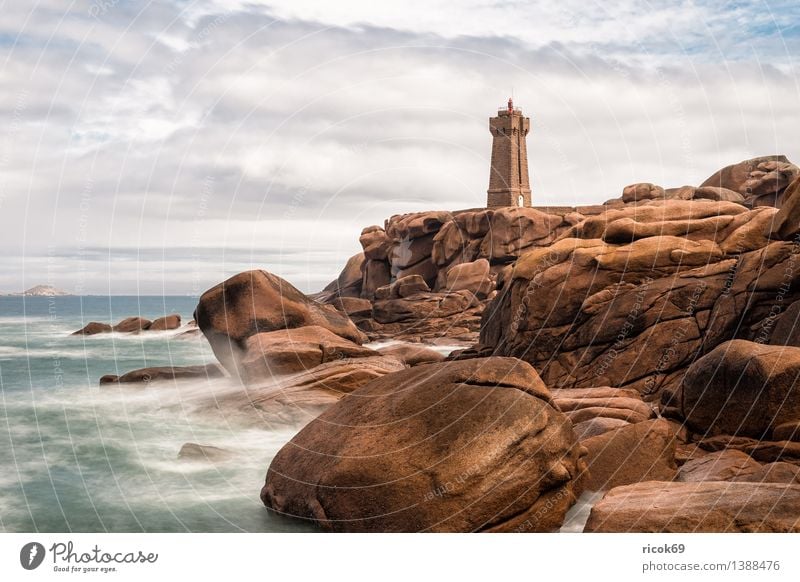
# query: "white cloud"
132,127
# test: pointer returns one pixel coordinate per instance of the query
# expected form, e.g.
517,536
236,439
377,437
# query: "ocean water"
79,458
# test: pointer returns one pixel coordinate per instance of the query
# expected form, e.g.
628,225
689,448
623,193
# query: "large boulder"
375,243
658,507
463,446
257,301
638,452
475,276
641,192
742,388
513,229
288,351
760,180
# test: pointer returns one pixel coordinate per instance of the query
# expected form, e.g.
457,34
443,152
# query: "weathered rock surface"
641,192
742,388
165,374
787,220
582,404
698,507
597,426
430,244
353,306
287,351
132,324
165,323
93,328
257,301
765,451
788,431
349,281
457,446
412,355
630,297
760,180
779,472
422,306
638,452
475,277
726,465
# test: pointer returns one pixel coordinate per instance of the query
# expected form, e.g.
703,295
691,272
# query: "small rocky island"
41,291
643,353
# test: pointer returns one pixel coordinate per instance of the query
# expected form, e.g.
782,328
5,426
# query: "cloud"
292,125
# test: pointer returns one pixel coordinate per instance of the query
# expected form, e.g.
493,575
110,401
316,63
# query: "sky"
160,147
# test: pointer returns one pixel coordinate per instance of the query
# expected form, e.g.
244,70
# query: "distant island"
40,291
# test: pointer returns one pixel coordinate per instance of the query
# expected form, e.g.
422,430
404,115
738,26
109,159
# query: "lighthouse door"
520,201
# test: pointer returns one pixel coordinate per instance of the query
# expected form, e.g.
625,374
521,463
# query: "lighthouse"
508,174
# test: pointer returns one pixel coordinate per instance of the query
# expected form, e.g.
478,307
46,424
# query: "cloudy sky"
159,147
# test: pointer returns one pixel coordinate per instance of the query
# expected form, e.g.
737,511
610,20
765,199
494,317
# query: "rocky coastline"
646,349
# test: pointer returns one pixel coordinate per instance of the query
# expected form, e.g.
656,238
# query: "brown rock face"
597,426
742,388
165,323
132,324
164,374
412,355
726,465
287,351
422,306
353,306
786,330
348,283
638,452
779,472
377,274
760,180
257,301
788,431
787,220
511,230
455,446
93,328
698,507
375,244
582,404
475,277
641,192
628,298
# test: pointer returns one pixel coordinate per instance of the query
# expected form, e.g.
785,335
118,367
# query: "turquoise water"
76,457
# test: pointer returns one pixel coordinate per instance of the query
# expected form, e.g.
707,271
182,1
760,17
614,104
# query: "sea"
76,457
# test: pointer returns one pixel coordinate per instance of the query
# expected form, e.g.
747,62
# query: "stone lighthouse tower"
508,174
